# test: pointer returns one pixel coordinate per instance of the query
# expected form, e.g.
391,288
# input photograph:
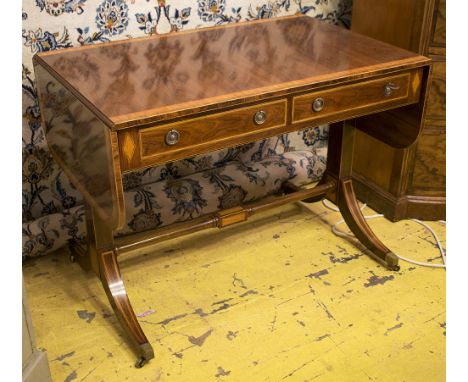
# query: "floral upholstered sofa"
53,213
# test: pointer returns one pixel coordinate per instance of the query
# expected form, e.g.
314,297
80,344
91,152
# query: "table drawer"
193,136
352,100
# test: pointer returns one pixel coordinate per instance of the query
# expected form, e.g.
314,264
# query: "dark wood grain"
429,167
436,105
438,35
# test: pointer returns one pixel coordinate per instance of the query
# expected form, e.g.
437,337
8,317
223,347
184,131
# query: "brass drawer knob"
260,117
172,137
318,104
389,88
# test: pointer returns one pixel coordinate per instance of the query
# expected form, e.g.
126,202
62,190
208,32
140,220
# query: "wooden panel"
436,105
355,98
83,147
438,35
398,22
205,131
379,169
429,167
142,81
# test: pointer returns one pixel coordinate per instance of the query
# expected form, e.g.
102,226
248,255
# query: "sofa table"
122,106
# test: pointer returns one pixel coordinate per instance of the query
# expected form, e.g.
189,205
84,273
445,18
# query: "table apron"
142,147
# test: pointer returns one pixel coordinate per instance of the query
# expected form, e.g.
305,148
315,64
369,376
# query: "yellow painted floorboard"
278,298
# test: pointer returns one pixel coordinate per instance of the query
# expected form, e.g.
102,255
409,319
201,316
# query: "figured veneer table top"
143,80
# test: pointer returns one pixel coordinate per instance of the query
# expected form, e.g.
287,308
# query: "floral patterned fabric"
53,213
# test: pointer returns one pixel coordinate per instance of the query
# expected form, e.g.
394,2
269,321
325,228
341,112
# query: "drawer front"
352,100
194,136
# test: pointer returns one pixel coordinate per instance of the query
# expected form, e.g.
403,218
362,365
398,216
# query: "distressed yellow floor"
277,298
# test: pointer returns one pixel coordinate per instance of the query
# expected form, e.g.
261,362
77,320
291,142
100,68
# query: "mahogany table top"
138,79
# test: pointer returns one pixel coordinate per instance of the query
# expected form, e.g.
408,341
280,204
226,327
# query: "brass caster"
140,362
72,258
391,261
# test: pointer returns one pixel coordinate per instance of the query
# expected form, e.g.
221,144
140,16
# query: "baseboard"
398,208
425,207
37,368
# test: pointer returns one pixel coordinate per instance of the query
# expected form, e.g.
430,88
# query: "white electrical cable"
337,232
